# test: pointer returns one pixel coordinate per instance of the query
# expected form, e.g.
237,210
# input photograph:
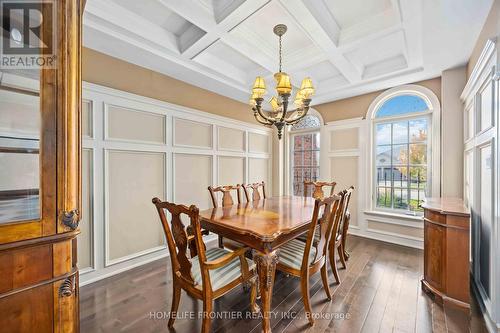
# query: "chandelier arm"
259,110
260,120
306,109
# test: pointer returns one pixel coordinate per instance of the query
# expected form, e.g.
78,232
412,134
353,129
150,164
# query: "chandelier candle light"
279,115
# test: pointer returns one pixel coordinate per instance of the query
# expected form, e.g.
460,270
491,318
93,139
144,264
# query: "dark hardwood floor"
380,292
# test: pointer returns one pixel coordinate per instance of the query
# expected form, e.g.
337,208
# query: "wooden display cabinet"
40,152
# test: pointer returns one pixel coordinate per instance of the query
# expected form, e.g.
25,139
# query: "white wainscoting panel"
192,134
134,125
192,176
87,119
344,171
258,170
133,179
258,143
230,139
231,170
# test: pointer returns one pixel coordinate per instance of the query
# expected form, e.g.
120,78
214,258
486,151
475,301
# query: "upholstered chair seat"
292,253
221,276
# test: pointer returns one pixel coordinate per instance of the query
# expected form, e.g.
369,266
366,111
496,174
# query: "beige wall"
452,124
115,73
490,29
357,106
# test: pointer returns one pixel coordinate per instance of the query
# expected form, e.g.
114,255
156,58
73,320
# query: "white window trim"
434,113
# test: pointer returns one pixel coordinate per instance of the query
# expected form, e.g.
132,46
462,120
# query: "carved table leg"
266,266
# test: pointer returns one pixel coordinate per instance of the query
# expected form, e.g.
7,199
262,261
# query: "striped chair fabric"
219,277
291,254
303,237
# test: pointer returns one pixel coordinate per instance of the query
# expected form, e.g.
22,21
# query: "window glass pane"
315,174
383,134
297,159
400,176
418,154
400,105
20,123
417,197
383,155
400,132
400,198
307,158
307,174
418,176
384,176
400,154
297,142
418,130
384,198
307,142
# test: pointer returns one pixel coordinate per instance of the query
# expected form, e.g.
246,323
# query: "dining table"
263,226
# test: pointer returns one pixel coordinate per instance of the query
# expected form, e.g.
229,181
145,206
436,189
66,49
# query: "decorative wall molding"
100,97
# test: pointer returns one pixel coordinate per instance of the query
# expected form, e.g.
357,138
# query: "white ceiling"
348,47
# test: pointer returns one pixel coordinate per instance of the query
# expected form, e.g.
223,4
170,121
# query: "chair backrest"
330,207
345,206
180,237
227,199
318,192
255,191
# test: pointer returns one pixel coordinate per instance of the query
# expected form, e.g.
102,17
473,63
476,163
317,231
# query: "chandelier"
279,115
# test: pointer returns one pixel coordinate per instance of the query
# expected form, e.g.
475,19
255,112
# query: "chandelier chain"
280,57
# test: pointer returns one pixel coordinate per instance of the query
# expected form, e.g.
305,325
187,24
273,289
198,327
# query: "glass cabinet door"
19,150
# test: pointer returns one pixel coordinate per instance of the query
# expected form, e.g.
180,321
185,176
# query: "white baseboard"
413,242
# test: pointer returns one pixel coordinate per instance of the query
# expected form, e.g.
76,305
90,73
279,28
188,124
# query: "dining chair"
318,192
205,274
303,259
337,240
255,190
345,227
227,200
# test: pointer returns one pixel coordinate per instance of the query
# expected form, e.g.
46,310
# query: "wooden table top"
447,206
265,220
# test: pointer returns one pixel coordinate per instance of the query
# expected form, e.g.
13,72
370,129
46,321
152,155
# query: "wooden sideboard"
446,251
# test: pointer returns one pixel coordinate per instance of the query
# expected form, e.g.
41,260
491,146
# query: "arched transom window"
402,146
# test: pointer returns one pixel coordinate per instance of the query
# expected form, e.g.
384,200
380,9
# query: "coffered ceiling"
348,47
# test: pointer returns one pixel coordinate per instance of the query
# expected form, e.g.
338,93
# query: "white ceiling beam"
195,12
411,12
119,16
318,34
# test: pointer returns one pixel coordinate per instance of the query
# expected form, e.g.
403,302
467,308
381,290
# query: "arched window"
405,140
305,150
309,121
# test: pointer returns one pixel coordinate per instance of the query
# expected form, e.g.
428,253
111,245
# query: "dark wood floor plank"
380,292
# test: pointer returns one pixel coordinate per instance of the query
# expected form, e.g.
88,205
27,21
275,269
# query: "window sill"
394,215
